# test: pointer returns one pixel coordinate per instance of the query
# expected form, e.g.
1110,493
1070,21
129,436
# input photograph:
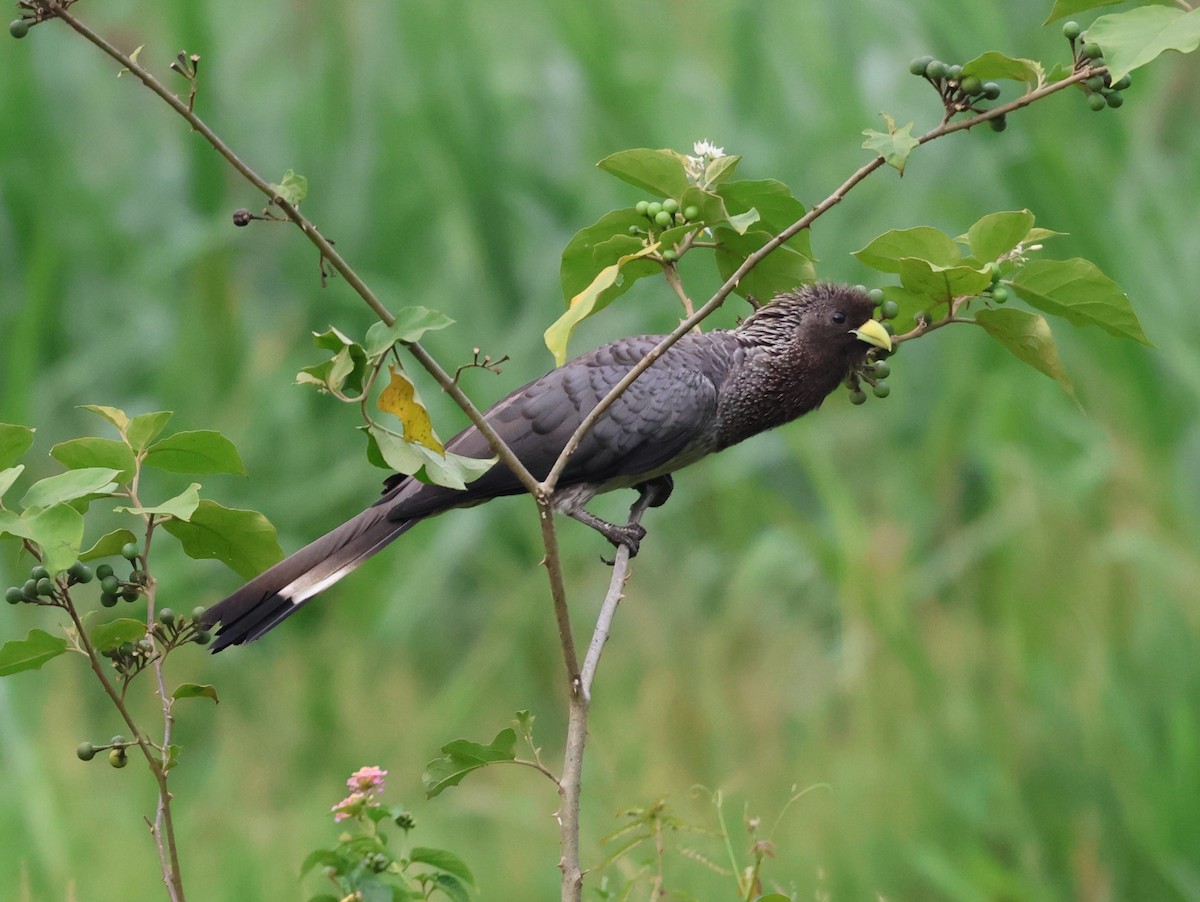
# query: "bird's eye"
839,317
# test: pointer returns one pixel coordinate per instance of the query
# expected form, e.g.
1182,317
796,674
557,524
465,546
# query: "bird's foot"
628,536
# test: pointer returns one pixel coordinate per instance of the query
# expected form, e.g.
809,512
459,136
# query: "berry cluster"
1101,91
960,93
876,369
996,293
117,755
44,588
664,214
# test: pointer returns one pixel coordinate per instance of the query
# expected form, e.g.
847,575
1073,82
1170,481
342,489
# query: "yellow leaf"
400,399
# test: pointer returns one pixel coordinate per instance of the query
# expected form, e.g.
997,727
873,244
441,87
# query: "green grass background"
966,615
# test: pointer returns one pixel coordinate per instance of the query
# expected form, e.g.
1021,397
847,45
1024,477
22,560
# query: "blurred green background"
967,615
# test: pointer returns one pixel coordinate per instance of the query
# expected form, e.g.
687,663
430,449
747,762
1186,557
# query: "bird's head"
821,322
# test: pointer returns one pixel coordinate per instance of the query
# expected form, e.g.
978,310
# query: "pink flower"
367,780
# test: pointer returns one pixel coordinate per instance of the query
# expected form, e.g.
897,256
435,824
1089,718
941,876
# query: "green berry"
1095,83
919,65
889,309
991,90
39,572
1123,83
999,124
881,389
1096,102
102,571
1072,30
971,85
29,590
202,637
117,740
876,296
129,551
936,70
921,316
85,751
993,270
110,585
126,649
18,28
81,572
671,205
130,593
954,73
882,369
663,218
1114,99
641,207
1092,51
635,230
14,595
1000,294
653,208
198,613
108,599
691,213
117,758
858,396
890,330
166,616
669,255
45,586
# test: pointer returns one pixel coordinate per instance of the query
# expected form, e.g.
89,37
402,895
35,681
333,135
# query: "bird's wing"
667,413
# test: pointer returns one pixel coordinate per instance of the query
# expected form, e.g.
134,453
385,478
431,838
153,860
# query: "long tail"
275,594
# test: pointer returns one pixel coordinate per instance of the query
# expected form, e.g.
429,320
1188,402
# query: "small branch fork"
580,678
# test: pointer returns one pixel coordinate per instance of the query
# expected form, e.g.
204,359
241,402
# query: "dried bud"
242,218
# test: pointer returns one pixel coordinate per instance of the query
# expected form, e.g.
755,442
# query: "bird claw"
628,536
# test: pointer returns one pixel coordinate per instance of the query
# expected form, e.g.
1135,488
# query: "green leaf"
1064,8
1078,291
196,690
181,507
452,471
12,525
1038,234
773,897
58,531
462,756
144,428
922,243
14,441
599,245
941,283
31,652
720,169
411,323
996,234
9,476
443,861
452,887
114,415
82,453
116,633
776,207
996,65
70,485
201,451
344,372
1132,39
324,857
293,188
173,753
661,172
782,270
243,540
1028,337
398,454
109,545
611,282
894,146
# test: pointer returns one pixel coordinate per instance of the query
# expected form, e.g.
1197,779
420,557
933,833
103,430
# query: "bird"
708,391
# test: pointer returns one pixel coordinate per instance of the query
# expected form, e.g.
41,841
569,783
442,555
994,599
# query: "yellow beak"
873,333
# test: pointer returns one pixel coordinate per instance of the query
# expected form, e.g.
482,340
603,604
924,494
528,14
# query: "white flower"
706,148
